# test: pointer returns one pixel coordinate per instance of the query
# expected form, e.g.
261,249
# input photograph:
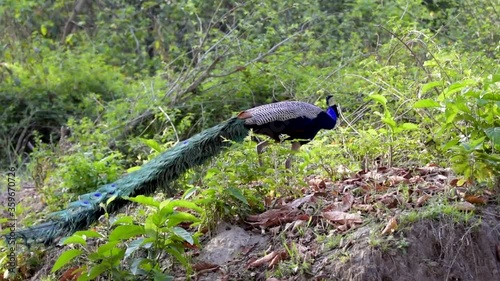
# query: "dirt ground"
336,232
440,249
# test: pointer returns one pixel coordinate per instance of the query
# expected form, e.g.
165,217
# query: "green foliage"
469,114
438,210
220,195
41,93
120,254
83,162
417,82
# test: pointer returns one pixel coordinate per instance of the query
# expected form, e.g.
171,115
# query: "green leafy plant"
469,117
118,254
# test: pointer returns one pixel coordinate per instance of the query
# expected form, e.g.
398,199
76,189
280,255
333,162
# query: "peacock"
299,121
296,121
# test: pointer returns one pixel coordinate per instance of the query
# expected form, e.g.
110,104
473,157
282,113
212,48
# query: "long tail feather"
159,172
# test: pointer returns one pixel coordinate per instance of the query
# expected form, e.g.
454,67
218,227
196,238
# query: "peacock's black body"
298,120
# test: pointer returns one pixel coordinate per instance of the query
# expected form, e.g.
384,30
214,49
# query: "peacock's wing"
279,111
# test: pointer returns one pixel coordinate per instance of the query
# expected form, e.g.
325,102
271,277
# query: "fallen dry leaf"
475,199
391,226
71,274
282,255
363,207
317,184
390,201
342,217
276,217
205,266
246,250
347,202
271,259
272,213
298,202
261,261
440,177
394,180
416,179
351,181
373,175
464,206
342,228
422,199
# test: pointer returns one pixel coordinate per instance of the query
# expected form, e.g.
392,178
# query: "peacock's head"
329,101
332,107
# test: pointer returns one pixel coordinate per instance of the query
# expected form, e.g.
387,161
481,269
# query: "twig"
347,122
171,123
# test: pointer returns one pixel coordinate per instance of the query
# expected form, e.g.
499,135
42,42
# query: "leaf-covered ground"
384,224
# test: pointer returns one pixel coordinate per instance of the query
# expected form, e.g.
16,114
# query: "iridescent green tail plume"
159,172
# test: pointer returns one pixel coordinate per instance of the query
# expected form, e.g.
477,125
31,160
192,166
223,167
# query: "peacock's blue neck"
332,113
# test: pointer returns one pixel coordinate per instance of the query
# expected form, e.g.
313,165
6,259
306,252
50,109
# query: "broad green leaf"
431,85
458,86
188,193
89,233
106,247
493,134
150,227
124,232
462,105
378,98
177,254
389,120
450,113
133,246
111,199
472,94
133,169
136,268
97,270
152,144
180,217
43,30
426,103
409,126
210,173
477,143
160,276
123,220
171,204
74,239
450,144
236,193
65,258
145,200
184,234
491,96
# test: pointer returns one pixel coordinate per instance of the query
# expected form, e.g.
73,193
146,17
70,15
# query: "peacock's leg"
260,148
295,147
